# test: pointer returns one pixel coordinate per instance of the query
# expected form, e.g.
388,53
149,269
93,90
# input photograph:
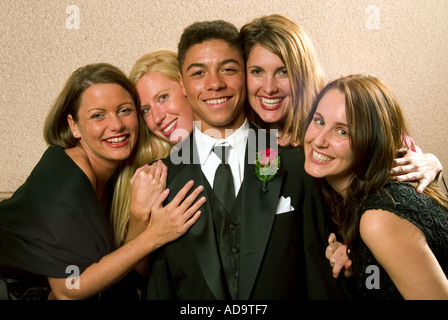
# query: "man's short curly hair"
202,31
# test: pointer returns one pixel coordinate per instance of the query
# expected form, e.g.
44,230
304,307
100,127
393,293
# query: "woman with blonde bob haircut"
353,133
297,64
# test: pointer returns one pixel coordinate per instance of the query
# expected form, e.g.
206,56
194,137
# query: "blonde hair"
291,44
163,61
151,148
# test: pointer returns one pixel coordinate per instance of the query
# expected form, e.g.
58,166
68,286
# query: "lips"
118,141
168,129
270,103
320,158
216,101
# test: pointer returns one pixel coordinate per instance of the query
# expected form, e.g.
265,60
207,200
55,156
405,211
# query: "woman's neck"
341,186
275,126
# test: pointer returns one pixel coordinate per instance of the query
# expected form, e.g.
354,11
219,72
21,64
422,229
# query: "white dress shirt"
210,161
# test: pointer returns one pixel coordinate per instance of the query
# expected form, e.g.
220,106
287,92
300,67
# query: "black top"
53,221
403,200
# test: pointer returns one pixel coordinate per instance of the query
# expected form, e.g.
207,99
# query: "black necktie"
223,183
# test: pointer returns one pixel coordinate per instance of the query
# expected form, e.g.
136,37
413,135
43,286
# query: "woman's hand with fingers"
336,252
171,221
146,185
410,166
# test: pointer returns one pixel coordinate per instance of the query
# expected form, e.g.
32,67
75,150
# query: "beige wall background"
43,41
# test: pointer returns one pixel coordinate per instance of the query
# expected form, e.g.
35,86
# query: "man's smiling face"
213,79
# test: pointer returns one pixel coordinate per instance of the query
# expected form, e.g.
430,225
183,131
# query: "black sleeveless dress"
432,219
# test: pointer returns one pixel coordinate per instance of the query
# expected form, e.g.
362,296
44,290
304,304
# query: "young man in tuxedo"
254,240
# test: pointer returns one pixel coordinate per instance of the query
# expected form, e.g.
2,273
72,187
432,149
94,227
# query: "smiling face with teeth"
165,109
107,123
213,79
268,86
327,146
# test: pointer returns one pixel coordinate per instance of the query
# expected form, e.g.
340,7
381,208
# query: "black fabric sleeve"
53,220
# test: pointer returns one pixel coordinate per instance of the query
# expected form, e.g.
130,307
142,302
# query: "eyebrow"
203,65
283,67
102,109
318,114
227,61
337,123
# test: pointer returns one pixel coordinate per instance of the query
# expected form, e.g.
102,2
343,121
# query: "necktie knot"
222,152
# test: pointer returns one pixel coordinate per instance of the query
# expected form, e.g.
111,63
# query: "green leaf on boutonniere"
267,164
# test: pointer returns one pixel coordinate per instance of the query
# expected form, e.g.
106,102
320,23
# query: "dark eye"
163,97
145,110
97,116
255,71
197,73
229,70
342,133
283,72
126,111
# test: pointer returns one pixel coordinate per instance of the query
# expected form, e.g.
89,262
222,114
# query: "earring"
74,134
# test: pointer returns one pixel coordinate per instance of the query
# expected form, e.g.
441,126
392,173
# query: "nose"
214,81
158,114
116,123
270,86
321,140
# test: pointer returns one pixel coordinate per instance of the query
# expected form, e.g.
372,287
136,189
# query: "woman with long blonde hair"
168,118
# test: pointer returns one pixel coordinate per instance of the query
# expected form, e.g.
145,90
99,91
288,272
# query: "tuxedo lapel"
202,234
202,237
258,209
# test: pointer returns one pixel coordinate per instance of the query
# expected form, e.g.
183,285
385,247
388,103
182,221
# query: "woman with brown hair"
283,74
54,230
353,131
284,77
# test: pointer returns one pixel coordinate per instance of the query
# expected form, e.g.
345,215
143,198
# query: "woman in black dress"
397,237
54,230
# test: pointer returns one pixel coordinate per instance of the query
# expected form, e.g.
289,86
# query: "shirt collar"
205,143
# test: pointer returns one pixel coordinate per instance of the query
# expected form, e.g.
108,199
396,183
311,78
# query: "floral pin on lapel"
266,166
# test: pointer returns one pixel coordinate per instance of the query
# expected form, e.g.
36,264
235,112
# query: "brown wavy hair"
377,128
292,45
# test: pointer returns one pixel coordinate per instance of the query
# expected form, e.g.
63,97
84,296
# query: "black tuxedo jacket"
282,256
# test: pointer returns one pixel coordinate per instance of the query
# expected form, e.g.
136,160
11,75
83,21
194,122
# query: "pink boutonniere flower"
266,166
